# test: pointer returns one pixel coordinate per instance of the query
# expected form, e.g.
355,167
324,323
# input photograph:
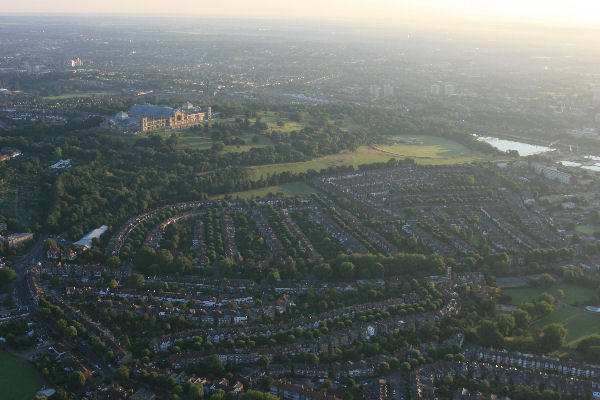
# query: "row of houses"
95,329
334,338
337,370
424,380
537,363
14,240
288,391
219,334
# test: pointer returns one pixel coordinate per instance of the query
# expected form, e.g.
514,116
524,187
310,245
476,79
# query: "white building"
435,90
86,241
449,89
388,91
552,173
374,91
596,97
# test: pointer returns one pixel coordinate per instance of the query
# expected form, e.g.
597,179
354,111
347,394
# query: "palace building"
148,117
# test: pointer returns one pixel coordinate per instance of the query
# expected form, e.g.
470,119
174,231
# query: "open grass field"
288,190
573,294
365,155
588,229
579,323
424,146
17,380
196,140
270,118
74,95
522,294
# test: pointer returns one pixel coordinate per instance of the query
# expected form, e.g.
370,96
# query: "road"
23,297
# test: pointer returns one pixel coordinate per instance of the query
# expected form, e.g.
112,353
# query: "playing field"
287,190
573,294
588,229
18,381
424,146
363,155
74,95
579,323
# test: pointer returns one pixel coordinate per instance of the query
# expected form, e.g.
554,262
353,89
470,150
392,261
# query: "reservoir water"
524,149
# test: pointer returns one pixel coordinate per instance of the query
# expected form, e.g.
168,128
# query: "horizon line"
388,22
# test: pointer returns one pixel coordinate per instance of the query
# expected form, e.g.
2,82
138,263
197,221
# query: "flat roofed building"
86,241
16,239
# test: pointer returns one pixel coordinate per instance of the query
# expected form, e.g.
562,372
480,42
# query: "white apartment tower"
374,91
388,91
596,96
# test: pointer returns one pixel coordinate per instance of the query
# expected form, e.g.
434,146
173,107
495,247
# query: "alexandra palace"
148,117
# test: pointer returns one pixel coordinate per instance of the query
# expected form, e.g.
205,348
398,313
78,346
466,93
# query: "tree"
77,380
384,368
553,336
226,267
273,275
545,281
346,270
196,391
71,332
488,334
264,362
505,324
218,394
213,365
181,265
113,262
265,383
406,367
145,257
121,375
256,395
165,258
50,244
218,147
135,281
7,275
322,271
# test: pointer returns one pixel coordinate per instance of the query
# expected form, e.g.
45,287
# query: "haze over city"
310,200
577,12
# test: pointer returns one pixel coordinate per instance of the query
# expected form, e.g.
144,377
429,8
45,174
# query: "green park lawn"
588,229
365,155
270,119
18,381
197,140
573,293
74,95
288,190
520,294
579,323
425,146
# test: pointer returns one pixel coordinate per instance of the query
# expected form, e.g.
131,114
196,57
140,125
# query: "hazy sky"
570,12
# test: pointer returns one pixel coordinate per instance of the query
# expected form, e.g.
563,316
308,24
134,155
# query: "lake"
524,149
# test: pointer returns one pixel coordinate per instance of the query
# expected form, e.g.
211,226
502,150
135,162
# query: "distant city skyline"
575,12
